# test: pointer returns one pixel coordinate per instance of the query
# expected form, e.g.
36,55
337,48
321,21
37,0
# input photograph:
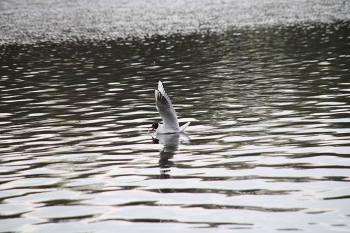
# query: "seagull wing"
166,110
162,91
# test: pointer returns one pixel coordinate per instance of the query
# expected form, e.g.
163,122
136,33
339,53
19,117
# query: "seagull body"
167,112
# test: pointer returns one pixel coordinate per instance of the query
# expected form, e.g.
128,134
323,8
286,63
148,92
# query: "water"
267,149
33,21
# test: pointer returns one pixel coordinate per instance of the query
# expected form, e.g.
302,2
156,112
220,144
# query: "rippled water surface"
267,149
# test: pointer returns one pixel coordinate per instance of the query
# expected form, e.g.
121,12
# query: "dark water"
267,150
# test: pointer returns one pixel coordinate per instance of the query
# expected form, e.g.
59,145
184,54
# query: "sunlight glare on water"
267,149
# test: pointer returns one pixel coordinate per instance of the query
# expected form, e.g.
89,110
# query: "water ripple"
267,148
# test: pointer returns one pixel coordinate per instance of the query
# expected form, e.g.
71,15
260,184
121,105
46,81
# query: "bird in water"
167,112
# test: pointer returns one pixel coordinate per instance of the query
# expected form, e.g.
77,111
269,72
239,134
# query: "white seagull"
167,112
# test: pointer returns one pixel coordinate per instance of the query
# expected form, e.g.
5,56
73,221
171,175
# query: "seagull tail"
182,128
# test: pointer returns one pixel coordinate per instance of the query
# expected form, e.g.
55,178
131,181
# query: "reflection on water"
170,144
269,138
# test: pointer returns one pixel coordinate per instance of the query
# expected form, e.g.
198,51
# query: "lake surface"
267,149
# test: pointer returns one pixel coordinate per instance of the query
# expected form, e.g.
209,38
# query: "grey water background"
265,84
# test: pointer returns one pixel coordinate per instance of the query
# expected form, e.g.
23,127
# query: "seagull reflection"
170,144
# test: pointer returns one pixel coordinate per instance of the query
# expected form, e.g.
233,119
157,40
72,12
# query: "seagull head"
154,126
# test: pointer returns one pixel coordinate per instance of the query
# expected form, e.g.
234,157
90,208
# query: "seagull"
167,112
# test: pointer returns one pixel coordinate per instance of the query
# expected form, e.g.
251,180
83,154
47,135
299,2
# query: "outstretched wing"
162,91
166,109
